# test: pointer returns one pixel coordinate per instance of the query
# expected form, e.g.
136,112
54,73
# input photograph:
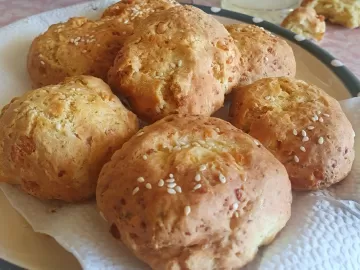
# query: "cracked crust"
76,47
226,222
262,54
180,61
271,109
54,140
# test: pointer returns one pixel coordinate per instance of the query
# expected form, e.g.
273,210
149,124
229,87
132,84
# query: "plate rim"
350,81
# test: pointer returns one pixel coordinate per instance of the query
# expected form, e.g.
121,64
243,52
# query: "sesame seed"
296,159
303,133
318,112
144,157
217,130
295,132
310,127
171,191
171,185
187,210
84,51
126,21
201,141
321,120
172,65
236,214
257,142
267,97
171,175
321,140
161,183
315,118
197,177
302,148
186,146
197,186
177,148
202,168
141,179
266,59
235,206
178,189
305,139
195,144
140,133
148,186
135,190
222,178
58,126
326,115
171,180
182,143
42,62
180,63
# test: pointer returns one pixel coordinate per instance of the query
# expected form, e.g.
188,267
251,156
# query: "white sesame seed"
171,180
42,62
321,140
310,127
295,132
305,139
296,159
178,189
217,130
326,115
140,133
171,185
315,118
195,144
236,214
144,157
161,183
148,186
201,141
187,210
58,126
202,167
222,178
197,186
321,120
177,148
197,177
172,65
135,190
141,180
186,146
318,112
126,21
267,97
180,63
171,175
257,142
235,206
171,191
302,148
266,59
303,133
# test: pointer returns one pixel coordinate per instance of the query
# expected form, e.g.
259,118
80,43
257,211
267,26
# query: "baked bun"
194,193
180,61
55,140
137,9
306,22
76,47
301,125
262,54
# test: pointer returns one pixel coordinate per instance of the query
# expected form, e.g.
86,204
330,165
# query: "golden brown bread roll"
301,125
76,47
194,193
55,140
180,61
262,54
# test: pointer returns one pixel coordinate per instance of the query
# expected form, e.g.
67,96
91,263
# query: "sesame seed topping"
296,159
141,180
135,190
267,97
310,127
58,126
180,63
302,148
178,189
257,142
172,65
303,133
171,191
126,21
315,118
84,51
217,129
295,132
236,214
201,141
195,144
197,177
171,175
318,112
177,148
197,186
305,139
42,62
321,140
235,206
326,115
171,180
144,157
140,133
222,178
148,186
187,210
171,185
321,120
202,168
161,183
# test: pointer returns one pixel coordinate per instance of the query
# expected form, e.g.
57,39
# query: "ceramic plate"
22,246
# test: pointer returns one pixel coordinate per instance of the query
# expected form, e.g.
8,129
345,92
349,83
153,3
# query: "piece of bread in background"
301,125
181,60
262,54
76,47
194,193
137,9
343,12
55,140
306,22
